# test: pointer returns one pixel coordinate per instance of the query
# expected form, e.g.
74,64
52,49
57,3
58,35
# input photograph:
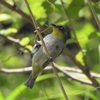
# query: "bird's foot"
50,60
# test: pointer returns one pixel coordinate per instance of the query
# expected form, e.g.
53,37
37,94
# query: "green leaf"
1,96
25,41
4,17
8,31
83,33
37,8
93,52
13,95
29,47
74,8
48,6
79,57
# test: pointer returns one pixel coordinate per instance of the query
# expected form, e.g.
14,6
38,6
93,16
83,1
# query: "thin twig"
73,77
16,41
48,68
66,70
94,13
47,53
15,70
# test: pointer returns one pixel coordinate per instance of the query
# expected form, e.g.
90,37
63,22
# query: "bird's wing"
36,47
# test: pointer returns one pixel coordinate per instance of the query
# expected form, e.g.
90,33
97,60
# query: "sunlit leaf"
25,41
16,92
79,57
83,33
4,17
1,96
8,31
29,47
74,8
37,8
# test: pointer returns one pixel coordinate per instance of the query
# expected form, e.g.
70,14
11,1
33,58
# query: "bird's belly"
54,49
39,58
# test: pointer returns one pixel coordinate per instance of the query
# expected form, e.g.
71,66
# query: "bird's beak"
53,25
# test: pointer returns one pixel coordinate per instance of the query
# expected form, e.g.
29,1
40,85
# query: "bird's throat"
57,33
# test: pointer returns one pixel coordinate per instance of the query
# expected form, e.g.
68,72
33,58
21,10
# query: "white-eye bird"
55,43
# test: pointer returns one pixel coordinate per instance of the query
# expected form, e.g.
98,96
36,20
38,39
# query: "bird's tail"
30,82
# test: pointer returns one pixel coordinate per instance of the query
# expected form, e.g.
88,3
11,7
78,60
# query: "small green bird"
55,43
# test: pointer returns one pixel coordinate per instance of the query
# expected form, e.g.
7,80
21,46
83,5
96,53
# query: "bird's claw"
38,28
50,59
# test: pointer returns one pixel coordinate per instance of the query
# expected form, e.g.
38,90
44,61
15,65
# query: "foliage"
17,39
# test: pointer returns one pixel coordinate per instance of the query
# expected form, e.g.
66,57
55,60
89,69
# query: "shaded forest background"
78,66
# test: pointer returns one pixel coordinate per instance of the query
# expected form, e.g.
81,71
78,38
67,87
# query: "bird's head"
59,31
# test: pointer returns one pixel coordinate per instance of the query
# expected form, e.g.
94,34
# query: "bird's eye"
36,45
61,27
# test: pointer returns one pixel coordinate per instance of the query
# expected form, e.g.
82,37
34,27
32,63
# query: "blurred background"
17,39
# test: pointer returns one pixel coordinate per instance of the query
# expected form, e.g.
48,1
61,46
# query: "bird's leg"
48,61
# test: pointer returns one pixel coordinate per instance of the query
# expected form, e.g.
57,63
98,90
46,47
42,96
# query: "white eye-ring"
61,27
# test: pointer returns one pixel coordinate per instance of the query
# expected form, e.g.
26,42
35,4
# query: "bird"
55,43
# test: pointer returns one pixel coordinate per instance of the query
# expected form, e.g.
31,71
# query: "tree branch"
66,70
16,41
